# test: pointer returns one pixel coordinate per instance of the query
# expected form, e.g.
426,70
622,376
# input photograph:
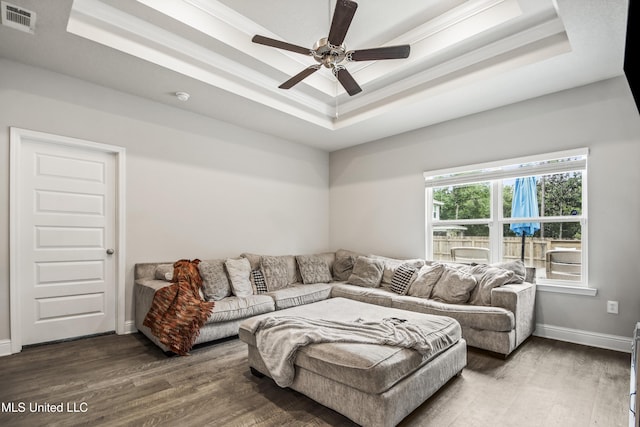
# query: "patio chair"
564,264
468,255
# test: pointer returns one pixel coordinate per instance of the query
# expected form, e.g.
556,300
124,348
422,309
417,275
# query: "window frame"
494,173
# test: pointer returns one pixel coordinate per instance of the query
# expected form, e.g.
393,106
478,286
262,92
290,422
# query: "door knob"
110,251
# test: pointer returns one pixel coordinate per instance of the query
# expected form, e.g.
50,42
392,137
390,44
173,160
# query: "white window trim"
494,172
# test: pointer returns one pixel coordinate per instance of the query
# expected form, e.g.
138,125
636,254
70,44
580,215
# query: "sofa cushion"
274,270
233,308
377,296
215,284
454,286
343,265
296,295
488,278
367,272
239,275
314,269
470,316
402,278
427,277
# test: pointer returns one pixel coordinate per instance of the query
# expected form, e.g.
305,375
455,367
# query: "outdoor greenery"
558,195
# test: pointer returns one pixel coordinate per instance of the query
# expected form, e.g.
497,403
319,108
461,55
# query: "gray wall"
196,187
377,189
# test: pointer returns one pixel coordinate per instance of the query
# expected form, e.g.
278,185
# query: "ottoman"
371,384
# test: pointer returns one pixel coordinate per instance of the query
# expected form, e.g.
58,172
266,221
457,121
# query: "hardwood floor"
125,380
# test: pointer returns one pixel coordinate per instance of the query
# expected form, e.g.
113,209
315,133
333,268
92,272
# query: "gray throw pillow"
391,264
488,278
454,286
314,269
274,270
343,265
164,272
367,272
239,274
215,284
428,276
517,266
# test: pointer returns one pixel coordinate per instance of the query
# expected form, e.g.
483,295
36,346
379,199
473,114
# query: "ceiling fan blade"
389,52
342,17
347,81
281,45
299,77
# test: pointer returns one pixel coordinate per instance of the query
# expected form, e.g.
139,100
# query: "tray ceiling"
466,57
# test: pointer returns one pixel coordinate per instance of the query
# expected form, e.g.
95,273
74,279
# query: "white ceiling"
466,57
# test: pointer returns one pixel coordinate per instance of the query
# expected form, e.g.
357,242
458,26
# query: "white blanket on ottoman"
279,338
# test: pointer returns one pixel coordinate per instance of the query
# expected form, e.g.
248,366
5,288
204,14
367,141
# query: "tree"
465,202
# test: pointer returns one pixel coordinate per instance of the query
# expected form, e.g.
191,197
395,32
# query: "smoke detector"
18,18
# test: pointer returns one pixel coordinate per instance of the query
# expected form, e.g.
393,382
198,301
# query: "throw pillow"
516,266
274,270
343,265
454,286
239,272
215,284
258,281
402,278
314,269
426,279
367,272
292,269
391,264
488,278
164,272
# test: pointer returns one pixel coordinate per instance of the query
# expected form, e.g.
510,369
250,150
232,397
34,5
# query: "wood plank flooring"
126,381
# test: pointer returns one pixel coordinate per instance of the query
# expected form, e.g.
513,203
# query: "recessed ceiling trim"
227,26
103,24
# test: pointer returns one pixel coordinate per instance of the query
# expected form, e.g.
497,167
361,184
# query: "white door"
67,234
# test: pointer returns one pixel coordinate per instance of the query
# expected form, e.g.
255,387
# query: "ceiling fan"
330,52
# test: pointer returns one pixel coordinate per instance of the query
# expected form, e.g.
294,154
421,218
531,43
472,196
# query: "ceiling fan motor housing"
328,54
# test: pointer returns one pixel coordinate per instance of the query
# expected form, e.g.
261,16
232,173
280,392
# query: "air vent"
18,18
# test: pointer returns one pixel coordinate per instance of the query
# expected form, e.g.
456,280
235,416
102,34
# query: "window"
473,214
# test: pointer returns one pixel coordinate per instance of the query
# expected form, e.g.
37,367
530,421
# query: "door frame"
17,138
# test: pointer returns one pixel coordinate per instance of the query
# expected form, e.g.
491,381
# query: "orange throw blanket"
178,312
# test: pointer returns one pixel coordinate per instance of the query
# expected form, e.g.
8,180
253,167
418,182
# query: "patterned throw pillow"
258,281
274,270
314,269
402,278
215,285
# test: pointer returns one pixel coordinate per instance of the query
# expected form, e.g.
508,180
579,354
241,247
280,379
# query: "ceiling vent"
18,18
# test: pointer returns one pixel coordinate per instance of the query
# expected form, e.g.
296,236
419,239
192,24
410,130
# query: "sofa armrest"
520,299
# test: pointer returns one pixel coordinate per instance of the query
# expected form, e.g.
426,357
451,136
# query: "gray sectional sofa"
493,304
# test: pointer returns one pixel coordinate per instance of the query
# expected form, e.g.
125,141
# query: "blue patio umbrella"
525,205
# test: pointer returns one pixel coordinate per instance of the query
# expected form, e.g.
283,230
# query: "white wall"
196,187
377,189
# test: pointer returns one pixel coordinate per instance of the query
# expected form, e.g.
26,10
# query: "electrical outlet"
612,307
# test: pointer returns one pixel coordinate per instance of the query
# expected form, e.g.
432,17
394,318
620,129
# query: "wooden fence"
534,253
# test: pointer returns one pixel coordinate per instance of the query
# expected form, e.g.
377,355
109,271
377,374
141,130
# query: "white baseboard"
5,348
130,327
577,336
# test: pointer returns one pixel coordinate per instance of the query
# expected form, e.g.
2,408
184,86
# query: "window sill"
564,289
